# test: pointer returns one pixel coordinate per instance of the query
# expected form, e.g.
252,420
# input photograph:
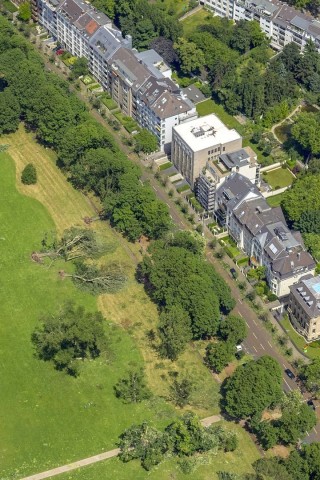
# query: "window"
223,149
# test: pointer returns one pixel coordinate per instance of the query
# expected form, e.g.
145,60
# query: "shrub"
29,175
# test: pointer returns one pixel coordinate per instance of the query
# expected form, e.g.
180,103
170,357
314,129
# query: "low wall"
274,192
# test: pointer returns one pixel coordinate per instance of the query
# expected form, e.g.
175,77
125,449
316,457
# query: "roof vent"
300,289
310,303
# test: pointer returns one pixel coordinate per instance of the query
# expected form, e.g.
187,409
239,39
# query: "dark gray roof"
235,159
106,41
153,62
193,94
307,293
130,68
235,188
168,105
293,263
73,9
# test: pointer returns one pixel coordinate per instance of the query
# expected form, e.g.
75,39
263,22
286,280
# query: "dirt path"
206,422
285,119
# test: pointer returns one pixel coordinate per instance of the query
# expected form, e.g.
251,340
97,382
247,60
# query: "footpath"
206,422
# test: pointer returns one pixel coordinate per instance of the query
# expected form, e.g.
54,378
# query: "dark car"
290,373
234,273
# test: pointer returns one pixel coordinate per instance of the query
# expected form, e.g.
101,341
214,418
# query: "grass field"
279,178
176,7
210,106
191,23
313,350
275,200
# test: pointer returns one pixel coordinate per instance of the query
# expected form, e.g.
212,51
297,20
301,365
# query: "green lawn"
191,23
279,178
313,350
49,418
236,462
275,201
210,106
9,6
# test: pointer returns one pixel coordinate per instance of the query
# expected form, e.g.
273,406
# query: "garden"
278,178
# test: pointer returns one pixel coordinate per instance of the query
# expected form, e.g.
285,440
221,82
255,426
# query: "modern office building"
200,141
304,307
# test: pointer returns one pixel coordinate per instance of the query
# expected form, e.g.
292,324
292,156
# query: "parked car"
290,373
234,273
239,348
60,51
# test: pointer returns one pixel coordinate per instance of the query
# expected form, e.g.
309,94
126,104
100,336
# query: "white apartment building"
140,83
280,22
243,161
197,142
262,233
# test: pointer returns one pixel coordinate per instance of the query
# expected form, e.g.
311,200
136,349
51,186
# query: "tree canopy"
253,387
70,335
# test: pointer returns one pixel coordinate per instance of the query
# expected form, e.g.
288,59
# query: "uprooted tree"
75,243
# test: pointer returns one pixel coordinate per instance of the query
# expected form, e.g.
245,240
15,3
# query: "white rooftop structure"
204,132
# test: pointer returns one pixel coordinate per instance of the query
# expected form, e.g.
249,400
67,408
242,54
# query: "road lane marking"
240,301
285,366
168,205
254,321
154,188
240,314
255,336
255,348
314,428
285,381
269,344
262,346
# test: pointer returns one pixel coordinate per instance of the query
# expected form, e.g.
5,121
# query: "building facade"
243,161
304,307
262,233
140,83
197,142
280,22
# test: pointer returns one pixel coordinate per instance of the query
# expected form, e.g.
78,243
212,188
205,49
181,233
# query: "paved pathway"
191,12
74,465
206,422
284,120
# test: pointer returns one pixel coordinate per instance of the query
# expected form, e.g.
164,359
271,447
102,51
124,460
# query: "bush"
29,175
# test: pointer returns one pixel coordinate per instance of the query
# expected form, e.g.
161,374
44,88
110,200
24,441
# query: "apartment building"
243,161
280,22
262,233
304,307
140,83
200,141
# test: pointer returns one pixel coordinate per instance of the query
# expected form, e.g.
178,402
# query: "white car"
239,348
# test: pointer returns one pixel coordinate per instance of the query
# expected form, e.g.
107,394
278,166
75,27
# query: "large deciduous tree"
70,335
253,387
9,111
132,388
174,331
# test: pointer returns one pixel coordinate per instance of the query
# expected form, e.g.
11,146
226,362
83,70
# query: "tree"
305,132
233,329
309,222
271,468
133,388
9,111
98,279
297,418
80,67
143,442
174,331
75,243
164,47
29,175
219,355
24,11
191,57
247,35
180,391
144,33
310,374
145,142
304,196
253,387
106,6
69,335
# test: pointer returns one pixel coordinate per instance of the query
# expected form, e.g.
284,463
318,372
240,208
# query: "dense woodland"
86,151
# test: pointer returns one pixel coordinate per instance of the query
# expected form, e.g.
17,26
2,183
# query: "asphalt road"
259,341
